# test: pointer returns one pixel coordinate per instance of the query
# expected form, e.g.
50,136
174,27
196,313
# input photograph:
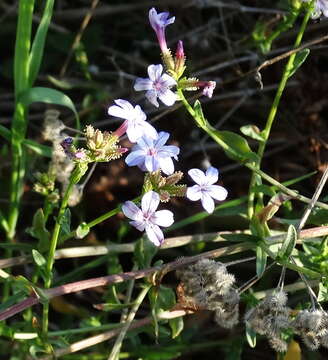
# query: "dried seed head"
312,326
52,126
278,344
211,287
269,317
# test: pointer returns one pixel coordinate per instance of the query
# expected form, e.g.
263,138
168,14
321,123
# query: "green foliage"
39,230
48,96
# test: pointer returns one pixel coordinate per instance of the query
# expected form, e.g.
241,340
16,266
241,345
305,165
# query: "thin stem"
272,114
314,199
53,245
102,218
117,346
124,317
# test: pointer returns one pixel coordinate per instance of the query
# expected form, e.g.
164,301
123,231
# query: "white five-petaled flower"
151,154
147,218
158,22
205,190
135,124
157,86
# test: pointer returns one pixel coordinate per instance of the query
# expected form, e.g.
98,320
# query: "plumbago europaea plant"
204,284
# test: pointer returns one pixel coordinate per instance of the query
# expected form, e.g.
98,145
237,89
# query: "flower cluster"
100,147
209,286
167,186
269,318
150,152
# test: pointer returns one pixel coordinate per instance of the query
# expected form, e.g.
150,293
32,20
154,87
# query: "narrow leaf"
36,54
298,61
261,260
48,96
288,244
252,131
38,258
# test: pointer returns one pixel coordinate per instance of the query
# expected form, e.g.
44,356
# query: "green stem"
251,166
117,346
75,177
272,114
102,218
19,125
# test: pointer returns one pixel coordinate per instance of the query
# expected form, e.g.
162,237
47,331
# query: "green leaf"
65,224
199,113
298,61
263,189
5,133
39,149
176,326
234,145
250,336
238,146
39,231
253,132
261,261
144,252
161,298
288,244
38,258
82,231
323,290
37,50
48,96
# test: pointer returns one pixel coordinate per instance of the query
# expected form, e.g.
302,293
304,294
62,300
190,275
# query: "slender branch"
97,339
177,241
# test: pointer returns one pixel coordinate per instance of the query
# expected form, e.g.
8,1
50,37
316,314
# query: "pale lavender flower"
151,155
158,22
205,190
147,218
157,86
135,124
320,7
209,88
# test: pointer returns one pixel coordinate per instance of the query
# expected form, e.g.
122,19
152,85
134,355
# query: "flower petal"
151,163
217,192
168,80
149,203
163,218
166,165
139,114
151,95
139,225
149,130
167,97
134,132
212,175
135,158
143,84
117,111
194,193
162,139
170,150
155,71
132,211
155,234
207,203
198,176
